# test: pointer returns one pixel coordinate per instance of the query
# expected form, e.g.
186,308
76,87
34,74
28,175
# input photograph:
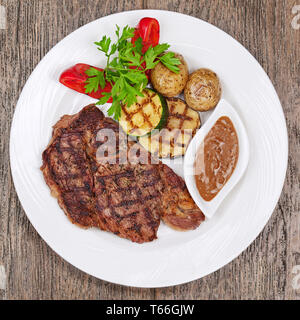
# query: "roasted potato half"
173,140
167,82
203,90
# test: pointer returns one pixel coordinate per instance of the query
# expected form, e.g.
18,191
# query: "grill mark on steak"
121,211
127,199
76,194
127,203
118,175
151,183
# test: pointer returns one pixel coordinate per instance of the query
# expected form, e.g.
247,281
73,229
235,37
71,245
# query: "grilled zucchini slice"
148,113
173,140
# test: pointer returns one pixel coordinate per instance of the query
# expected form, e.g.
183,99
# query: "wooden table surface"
269,268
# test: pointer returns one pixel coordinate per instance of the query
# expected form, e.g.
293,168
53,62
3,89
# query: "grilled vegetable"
167,82
147,114
76,78
148,30
203,90
172,141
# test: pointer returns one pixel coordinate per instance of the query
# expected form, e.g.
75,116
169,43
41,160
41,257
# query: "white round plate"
175,257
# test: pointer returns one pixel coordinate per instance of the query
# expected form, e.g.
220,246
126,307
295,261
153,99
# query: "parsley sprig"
125,69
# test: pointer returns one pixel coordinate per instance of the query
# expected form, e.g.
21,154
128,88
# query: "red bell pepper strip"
148,30
75,78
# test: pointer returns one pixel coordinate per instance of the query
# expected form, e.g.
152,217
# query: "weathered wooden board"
29,269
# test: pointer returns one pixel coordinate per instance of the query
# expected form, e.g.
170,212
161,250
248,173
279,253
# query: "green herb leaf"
160,48
126,71
136,77
150,57
104,44
104,99
127,33
113,49
115,109
118,87
139,45
96,79
170,61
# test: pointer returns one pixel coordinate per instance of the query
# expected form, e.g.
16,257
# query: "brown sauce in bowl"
216,158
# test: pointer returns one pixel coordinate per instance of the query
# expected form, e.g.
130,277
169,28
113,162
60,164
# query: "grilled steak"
67,169
127,196
179,210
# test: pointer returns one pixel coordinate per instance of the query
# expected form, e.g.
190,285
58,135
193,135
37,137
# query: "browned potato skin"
203,90
168,83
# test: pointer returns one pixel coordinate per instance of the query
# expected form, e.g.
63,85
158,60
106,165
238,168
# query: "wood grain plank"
265,269
34,270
